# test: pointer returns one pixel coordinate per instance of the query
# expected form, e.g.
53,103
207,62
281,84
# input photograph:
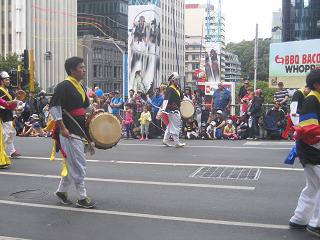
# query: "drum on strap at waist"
187,109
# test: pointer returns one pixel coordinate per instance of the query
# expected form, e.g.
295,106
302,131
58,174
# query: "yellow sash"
77,86
176,89
6,93
316,94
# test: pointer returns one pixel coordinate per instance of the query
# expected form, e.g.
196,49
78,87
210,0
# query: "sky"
243,15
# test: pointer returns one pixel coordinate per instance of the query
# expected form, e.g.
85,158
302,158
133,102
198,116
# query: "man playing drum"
70,96
171,105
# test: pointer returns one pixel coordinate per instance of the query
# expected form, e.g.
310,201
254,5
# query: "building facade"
37,25
232,67
193,50
103,18
276,33
6,8
172,39
300,20
104,62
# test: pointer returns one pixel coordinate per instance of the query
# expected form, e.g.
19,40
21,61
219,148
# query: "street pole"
256,59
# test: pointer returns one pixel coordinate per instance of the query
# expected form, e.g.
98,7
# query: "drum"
103,129
187,109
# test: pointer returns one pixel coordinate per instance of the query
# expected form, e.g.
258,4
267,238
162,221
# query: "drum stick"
158,108
78,138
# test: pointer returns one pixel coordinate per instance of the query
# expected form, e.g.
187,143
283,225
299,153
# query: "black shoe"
63,197
86,203
314,230
293,225
4,166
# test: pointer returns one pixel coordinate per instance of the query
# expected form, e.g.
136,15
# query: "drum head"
104,130
186,109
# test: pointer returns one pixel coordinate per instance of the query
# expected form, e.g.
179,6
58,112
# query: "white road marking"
187,146
149,216
173,184
10,238
264,143
174,164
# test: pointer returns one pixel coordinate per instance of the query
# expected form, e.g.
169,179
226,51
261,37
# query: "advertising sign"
290,62
211,62
143,46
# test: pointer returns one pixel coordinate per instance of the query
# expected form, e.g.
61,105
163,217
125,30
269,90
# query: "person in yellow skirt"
4,159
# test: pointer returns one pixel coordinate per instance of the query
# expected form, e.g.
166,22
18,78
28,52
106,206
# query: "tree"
245,51
8,63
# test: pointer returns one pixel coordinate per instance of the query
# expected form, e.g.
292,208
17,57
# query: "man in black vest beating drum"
171,110
68,108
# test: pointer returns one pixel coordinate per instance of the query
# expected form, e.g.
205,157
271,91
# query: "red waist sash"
78,112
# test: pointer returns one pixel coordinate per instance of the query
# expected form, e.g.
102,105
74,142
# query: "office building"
104,62
103,18
232,67
6,27
276,31
300,20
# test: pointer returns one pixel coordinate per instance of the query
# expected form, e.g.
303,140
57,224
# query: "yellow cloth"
175,88
4,160
145,118
78,86
64,170
6,93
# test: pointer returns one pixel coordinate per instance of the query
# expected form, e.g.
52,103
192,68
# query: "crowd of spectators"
138,114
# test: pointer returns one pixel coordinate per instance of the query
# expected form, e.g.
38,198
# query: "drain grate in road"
233,173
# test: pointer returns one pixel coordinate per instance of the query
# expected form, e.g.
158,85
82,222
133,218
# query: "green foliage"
245,51
264,86
9,62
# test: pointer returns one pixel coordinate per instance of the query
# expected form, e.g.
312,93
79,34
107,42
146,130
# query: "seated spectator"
275,121
191,129
211,131
220,123
33,128
229,131
242,128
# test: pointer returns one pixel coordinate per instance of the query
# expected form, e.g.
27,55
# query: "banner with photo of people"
144,25
210,63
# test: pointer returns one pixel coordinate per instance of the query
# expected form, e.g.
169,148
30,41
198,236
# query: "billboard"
143,46
290,62
210,63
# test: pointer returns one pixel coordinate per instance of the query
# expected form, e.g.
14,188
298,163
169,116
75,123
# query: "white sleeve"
293,107
56,113
164,105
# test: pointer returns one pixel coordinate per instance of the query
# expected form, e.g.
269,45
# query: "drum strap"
91,149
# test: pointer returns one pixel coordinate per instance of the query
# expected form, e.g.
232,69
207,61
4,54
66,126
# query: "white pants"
76,165
173,128
308,209
9,132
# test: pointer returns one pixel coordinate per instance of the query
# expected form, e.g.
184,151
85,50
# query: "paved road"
146,191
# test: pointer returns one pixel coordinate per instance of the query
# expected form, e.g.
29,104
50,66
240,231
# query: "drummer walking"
171,105
70,96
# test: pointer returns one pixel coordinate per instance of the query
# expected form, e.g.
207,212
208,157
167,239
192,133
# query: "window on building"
115,69
95,71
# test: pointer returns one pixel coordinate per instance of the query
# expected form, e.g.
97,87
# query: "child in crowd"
211,130
145,119
229,131
128,119
191,129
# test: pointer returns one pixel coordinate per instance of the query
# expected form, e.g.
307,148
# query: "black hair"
312,78
72,63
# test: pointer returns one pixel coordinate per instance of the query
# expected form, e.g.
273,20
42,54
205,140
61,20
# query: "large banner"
211,62
290,62
144,46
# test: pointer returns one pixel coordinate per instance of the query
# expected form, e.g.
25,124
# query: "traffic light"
25,59
14,78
